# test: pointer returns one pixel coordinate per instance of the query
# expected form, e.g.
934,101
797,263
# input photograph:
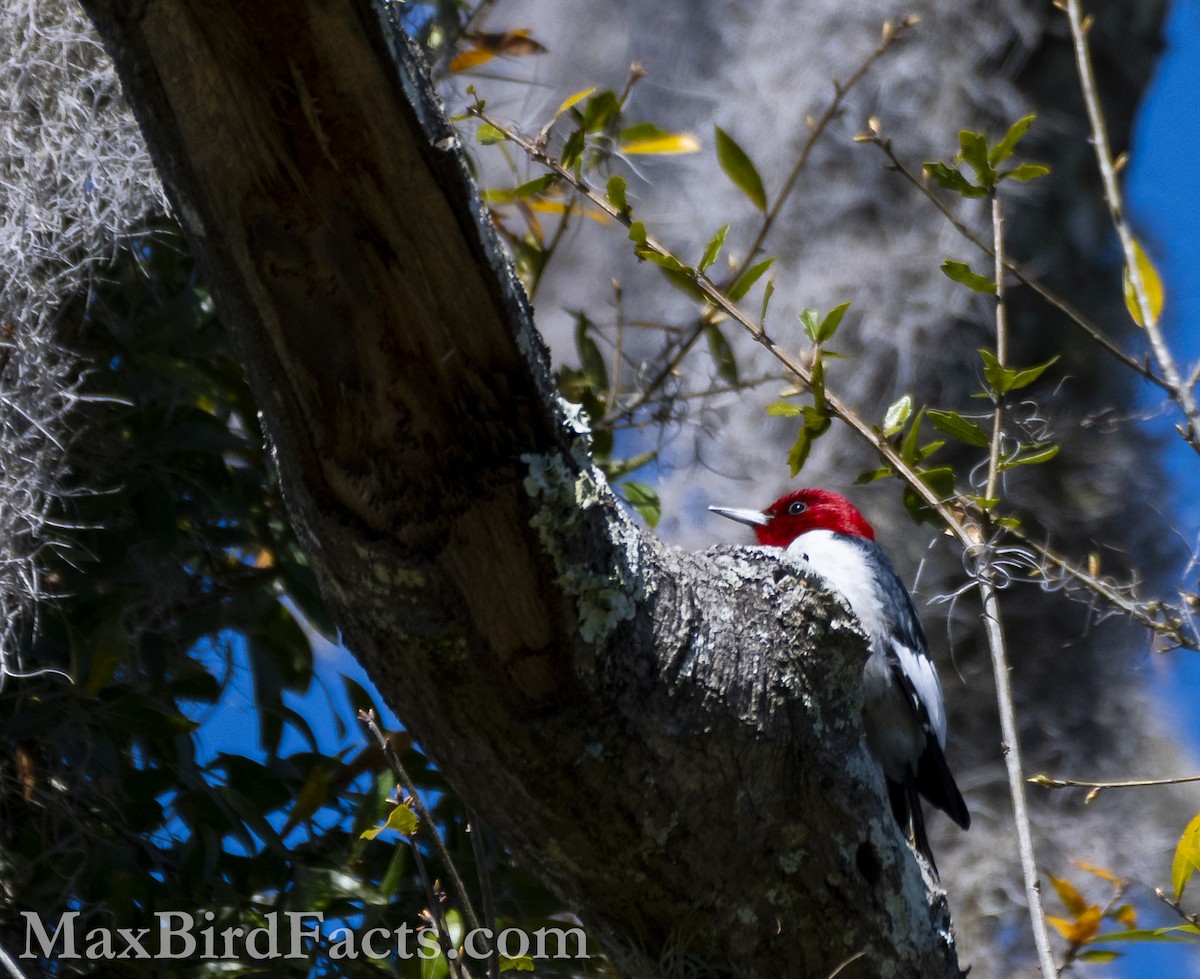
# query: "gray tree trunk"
673,741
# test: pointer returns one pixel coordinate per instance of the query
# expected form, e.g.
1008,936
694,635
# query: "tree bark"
672,741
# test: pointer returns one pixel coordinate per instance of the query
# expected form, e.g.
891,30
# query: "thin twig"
368,720
993,628
475,831
1180,393
1152,615
1170,902
890,33
845,963
1135,783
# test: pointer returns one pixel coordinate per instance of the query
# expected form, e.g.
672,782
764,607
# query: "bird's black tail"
906,807
935,782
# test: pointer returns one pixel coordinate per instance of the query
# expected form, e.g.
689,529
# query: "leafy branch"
901,460
738,167
1074,315
984,161
1136,265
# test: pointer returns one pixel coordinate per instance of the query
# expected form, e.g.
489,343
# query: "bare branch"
993,628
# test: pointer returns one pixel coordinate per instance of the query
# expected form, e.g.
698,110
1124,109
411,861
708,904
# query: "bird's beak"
755,518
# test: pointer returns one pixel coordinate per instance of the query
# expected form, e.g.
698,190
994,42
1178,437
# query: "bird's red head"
799,512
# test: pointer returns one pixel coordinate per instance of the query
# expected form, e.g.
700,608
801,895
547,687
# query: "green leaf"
590,358
667,261
952,179
743,283
615,192
573,149
973,149
713,248
1005,379
816,420
618,468
1036,455
401,819
940,479
522,964
489,135
637,233
1016,132
536,186
929,449
808,319
781,409
816,385
644,499
962,272
954,425
768,291
1100,955
739,168
641,131
599,110
1187,857
1170,933
1023,378
831,322
897,414
722,353
683,281
799,451
909,450
1025,172
873,475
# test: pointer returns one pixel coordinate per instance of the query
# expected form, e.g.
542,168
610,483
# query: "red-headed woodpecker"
903,713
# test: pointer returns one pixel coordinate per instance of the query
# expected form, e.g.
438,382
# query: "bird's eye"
797,507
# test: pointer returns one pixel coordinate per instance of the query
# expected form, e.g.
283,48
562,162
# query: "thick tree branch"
672,741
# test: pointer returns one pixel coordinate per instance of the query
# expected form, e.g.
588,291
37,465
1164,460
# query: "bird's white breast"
848,571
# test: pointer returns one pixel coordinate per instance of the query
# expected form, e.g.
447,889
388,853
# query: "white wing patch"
918,667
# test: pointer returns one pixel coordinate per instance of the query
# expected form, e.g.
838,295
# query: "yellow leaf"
1063,925
573,99
558,207
1126,917
402,819
471,58
513,43
1070,897
1152,283
1086,925
671,144
1091,868
1187,857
